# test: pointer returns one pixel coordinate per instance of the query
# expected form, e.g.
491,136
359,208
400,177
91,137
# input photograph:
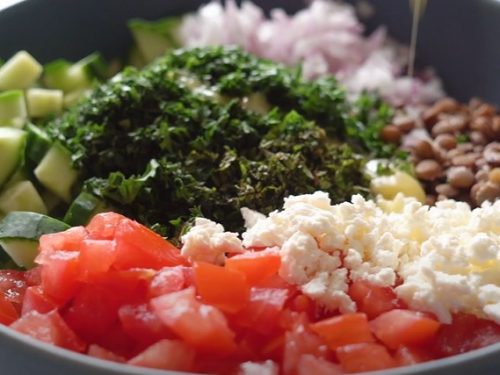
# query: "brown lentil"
466,160
446,141
460,177
494,175
391,134
424,149
404,123
447,190
487,191
428,170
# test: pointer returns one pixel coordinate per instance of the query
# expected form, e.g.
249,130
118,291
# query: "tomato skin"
309,364
168,280
142,324
49,328
210,334
221,287
140,247
404,327
97,351
343,330
36,300
263,310
255,265
465,333
372,299
60,275
8,313
96,257
103,225
166,355
364,357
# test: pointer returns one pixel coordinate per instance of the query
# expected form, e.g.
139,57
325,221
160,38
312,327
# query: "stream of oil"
418,9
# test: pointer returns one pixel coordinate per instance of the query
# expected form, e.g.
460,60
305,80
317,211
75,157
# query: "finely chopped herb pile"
181,138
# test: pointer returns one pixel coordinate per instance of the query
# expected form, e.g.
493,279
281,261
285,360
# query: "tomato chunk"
404,327
103,225
96,257
168,280
364,357
8,313
12,285
140,247
263,310
59,275
166,355
309,364
49,328
255,265
97,351
139,322
465,333
69,240
36,300
221,287
180,310
407,356
372,299
343,330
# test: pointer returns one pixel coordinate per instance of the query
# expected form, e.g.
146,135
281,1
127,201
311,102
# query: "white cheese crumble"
447,256
208,242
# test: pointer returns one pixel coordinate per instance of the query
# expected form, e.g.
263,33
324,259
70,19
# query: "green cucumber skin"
38,144
29,226
82,209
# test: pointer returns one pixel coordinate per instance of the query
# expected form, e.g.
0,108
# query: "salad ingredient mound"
325,38
204,132
118,291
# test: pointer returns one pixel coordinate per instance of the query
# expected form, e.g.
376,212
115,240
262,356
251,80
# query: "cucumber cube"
12,106
56,173
44,102
20,72
12,144
22,196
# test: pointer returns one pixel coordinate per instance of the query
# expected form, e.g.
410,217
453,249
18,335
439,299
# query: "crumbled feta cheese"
447,256
207,242
251,217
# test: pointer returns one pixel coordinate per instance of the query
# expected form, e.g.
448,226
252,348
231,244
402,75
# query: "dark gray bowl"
459,38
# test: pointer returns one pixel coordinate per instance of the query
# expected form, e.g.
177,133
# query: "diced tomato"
93,312
69,240
49,328
202,326
343,330
407,356
13,286
255,265
364,357
167,280
33,276
36,300
138,246
309,364
166,355
59,275
8,313
263,310
258,368
118,342
129,286
372,299
404,327
221,287
465,333
298,342
97,351
96,257
274,348
103,225
140,323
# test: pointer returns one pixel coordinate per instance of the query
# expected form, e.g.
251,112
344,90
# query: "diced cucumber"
22,196
20,72
12,106
56,173
44,102
83,208
20,232
68,77
18,176
12,144
135,58
154,38
38,143
71,98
